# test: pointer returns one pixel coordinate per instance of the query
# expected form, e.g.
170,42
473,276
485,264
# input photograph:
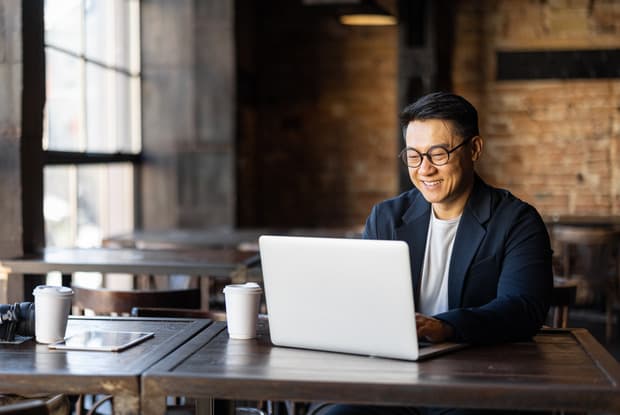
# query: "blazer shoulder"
398,205
386,216
506,204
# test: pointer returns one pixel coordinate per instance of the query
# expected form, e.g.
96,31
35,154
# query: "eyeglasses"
437,155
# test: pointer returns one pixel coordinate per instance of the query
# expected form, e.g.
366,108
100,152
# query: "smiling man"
480,257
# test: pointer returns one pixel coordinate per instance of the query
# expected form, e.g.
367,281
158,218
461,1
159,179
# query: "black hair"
443,106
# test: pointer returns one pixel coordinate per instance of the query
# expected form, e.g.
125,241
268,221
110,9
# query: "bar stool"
588,256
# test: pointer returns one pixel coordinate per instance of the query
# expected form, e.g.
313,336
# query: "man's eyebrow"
434,145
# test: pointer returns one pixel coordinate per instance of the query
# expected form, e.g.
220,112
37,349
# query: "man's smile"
432,183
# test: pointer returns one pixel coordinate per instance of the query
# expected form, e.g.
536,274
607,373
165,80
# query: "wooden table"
561,369
582,220
219,237
29,368
206,263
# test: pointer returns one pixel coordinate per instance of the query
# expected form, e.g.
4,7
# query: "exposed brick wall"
554,143
318,118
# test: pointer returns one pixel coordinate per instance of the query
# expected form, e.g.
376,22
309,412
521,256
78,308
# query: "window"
91,134
92,119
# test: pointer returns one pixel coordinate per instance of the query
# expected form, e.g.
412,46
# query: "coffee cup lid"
249,287
52,289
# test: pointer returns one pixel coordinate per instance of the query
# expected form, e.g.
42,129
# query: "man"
480,257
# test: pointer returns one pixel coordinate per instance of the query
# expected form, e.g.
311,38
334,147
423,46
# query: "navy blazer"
500,275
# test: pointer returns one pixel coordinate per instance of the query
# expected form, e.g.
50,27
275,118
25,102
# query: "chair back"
41,405
32,407
103,301
217,315
586,250
589,257
562,299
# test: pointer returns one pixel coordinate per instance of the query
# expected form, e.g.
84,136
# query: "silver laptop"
342,295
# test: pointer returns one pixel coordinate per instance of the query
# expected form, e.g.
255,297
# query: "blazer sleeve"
370,230
524,287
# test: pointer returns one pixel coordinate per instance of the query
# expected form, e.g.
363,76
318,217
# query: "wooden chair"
103,301
562,299
588,257
30,407
177,312
40,405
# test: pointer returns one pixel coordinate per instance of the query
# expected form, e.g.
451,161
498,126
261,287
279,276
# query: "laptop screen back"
343,295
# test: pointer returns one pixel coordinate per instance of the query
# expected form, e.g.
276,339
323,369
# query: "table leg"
205,292
204,406
153,398
129,404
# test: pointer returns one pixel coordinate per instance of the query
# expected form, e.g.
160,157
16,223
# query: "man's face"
446,187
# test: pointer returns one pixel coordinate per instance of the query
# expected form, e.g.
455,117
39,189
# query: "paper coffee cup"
242,302
52,305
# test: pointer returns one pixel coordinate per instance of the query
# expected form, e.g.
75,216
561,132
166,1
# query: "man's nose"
426,165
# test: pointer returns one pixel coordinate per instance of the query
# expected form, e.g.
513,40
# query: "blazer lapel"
415,229
469,235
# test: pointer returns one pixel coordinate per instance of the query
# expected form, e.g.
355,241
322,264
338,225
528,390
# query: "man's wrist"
447,329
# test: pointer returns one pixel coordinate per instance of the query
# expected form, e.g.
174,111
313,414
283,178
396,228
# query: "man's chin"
431,197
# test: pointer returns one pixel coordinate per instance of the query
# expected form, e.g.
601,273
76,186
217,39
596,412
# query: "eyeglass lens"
437,156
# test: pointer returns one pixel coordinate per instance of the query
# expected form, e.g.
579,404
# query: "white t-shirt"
434,285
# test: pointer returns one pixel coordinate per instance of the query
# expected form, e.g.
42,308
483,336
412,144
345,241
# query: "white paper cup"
242,302
52,306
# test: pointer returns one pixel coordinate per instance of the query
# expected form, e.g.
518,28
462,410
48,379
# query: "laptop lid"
341,295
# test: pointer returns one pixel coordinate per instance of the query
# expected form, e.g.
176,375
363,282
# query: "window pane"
110,26
63,129
63,24
91,183
105,202
124,24
92,107
134,143
98,30
123,112
100,131
58,205
120,199
112,111
84,204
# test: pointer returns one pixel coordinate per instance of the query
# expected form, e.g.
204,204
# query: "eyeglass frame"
428,156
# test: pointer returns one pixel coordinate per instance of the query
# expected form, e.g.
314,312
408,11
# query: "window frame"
34,157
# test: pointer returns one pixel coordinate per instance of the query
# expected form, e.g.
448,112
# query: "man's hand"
432,329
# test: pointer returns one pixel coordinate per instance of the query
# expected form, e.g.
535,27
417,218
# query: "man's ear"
477,144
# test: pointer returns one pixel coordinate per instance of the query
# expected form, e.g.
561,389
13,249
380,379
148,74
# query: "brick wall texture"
318,133
554,143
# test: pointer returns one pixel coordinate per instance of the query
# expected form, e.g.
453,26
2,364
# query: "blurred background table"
214,238
609,221
223,263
